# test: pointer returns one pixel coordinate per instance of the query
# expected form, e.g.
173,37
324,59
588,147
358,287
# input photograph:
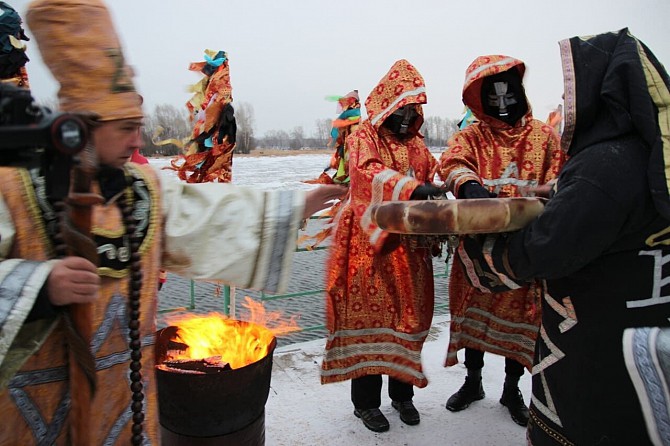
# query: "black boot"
513,400
470,392
373,419
408,413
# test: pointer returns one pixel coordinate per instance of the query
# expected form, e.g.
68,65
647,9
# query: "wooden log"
213,364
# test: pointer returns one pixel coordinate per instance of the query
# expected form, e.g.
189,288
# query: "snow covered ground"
301,411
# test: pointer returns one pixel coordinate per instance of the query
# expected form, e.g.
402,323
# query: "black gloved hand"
491,266
426,191
472,189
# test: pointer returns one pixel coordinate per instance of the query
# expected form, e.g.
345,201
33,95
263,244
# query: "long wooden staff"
76,230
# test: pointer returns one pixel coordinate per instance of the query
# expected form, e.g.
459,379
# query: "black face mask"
401,121
503,96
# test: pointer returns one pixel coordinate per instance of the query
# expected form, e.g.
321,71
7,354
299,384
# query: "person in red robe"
504,154
379,285
138,158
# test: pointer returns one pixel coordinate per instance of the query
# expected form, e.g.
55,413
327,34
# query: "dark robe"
601,245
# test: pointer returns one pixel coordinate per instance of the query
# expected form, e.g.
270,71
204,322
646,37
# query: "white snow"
302,411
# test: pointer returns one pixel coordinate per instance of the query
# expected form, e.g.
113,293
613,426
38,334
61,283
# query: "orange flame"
238,343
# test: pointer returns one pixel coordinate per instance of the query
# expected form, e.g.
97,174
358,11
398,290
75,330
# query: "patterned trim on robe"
457,177
504,62
489,241
271,268
20,284
569,94
647,355
398,345
378,196
491,340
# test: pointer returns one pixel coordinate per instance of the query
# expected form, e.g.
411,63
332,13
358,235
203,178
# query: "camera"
33,135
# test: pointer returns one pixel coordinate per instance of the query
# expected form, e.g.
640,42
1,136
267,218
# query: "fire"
238,343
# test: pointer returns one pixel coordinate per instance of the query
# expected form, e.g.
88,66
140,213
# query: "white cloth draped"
239,235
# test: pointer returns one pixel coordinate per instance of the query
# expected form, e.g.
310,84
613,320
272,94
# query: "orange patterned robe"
505,159
36,401
379,286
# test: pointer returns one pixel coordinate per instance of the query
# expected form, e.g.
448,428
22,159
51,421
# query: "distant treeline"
174,124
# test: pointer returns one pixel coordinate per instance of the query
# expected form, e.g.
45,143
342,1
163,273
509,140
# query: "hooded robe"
379,286
503,158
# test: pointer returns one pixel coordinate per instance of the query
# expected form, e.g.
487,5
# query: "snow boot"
513,400
373,419
470,392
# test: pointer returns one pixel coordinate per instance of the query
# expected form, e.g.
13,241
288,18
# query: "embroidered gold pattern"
549,431
34,209
656,239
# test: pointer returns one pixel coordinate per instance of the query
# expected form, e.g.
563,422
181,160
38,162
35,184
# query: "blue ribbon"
215,62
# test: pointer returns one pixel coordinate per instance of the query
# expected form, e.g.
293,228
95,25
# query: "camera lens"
69,134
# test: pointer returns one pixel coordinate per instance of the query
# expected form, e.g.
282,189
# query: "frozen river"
270,172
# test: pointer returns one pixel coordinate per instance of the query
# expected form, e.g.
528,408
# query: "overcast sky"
286,56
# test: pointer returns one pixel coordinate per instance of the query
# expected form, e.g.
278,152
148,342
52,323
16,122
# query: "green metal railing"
227,292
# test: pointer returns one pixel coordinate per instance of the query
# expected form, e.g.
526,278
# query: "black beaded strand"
135,343
60,247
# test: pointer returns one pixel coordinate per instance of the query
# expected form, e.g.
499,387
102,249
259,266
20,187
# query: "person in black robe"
602,246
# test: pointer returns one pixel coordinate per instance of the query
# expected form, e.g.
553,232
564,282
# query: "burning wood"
213,364
234,343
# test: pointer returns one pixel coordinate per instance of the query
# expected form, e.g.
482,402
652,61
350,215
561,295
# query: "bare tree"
167,122
437,130
275,139
244,116
297,137
451,128
434,131
174,120
323,127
